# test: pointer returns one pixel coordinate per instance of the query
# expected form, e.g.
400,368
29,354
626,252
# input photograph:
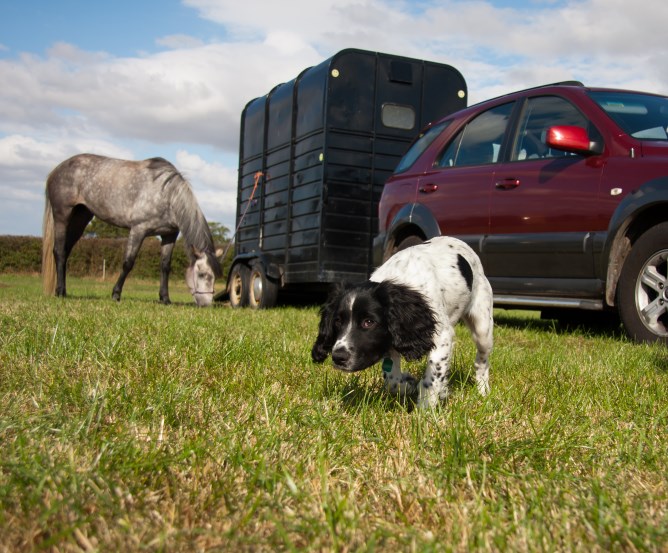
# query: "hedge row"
90,257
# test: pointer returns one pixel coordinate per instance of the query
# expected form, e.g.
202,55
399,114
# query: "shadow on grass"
589,323
138,299
661,360
357,395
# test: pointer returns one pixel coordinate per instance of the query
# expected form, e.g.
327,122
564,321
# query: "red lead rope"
256,178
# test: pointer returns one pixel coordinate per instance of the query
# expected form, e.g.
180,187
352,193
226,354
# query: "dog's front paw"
483,388
404,384
430,395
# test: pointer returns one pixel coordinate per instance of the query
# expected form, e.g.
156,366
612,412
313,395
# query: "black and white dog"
409,308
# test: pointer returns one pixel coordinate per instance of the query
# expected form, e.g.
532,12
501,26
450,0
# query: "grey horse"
148,197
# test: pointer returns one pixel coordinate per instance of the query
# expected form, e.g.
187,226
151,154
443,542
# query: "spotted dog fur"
409,308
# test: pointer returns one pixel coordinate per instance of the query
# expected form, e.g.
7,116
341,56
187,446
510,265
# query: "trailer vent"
401,72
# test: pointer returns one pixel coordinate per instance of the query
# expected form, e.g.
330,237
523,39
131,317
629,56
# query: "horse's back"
113,189
75,171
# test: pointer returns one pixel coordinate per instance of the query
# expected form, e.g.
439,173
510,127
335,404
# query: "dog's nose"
340,357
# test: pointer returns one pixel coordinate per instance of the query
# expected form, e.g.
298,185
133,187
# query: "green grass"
140,427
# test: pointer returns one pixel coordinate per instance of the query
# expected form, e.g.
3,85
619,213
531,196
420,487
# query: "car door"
457,189
544,208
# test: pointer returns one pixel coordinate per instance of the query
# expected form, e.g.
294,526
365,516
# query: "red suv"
561,189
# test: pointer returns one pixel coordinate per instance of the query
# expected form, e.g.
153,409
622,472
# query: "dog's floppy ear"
410,319
326,331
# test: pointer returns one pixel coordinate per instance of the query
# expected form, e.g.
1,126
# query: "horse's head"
201,276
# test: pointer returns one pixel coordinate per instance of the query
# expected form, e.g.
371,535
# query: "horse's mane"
186,210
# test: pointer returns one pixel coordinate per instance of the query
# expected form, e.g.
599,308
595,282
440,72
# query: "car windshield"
643,116
420,145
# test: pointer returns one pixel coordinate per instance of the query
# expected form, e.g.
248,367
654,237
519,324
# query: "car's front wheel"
642,292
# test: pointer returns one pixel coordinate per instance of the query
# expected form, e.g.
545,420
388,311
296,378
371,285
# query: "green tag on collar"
387,365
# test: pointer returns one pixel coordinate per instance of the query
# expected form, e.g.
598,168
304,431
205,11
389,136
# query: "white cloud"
177,42
214,184
601,42
27,161
185,95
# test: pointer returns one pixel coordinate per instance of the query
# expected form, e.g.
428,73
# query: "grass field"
140,427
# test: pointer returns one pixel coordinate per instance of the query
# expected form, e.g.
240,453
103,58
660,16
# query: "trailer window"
398,117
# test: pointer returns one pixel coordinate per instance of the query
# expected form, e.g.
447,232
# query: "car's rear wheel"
642,292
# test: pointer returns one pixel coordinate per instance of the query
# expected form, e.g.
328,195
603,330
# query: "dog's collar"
387,365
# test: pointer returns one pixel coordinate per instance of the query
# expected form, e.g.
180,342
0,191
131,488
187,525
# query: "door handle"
428,188
507,184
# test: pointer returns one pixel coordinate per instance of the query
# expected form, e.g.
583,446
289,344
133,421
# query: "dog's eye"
368,323
337,322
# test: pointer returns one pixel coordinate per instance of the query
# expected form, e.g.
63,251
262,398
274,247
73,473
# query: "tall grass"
133,426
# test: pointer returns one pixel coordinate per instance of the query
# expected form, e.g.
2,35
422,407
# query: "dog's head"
359,324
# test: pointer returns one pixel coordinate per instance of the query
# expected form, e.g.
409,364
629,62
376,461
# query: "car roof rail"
566,83
560,83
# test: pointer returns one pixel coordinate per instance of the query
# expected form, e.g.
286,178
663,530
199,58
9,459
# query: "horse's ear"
219,252
197,253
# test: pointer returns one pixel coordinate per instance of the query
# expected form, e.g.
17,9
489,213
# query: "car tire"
238,285
642,292
262,291
409,241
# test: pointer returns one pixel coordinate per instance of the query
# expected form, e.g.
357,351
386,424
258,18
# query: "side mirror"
569,138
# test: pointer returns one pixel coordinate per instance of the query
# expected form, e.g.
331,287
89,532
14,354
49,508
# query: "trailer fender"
271,267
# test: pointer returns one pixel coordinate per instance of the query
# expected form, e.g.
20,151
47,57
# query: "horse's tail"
48,260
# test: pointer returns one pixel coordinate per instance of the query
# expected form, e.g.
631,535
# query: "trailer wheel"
262,291
642,292
239,282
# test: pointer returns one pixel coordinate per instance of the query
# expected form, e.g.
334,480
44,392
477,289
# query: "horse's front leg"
166,250
135,239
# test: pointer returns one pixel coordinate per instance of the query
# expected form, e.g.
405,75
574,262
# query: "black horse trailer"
313,157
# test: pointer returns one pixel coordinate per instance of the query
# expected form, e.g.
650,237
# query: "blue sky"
169,78
121,27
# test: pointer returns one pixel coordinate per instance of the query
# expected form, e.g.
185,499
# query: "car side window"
479,142
422,142
538,116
